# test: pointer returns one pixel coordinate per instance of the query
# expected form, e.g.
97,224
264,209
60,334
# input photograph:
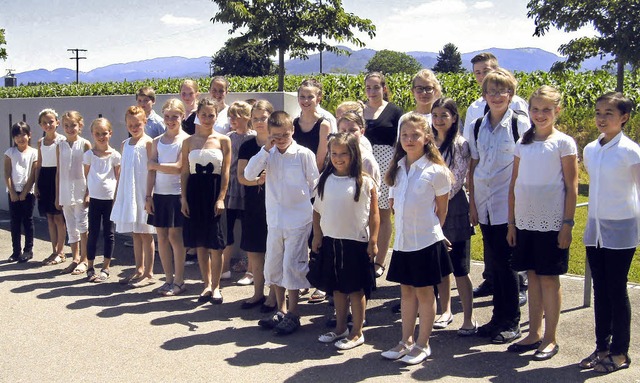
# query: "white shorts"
76,220
286,261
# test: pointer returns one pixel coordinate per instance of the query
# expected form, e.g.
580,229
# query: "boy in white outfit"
291,172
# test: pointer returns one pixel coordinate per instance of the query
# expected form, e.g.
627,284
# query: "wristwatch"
569,222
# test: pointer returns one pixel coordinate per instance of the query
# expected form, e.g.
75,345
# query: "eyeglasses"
496,93
423,89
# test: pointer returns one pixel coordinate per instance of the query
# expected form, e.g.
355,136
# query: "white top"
289,186
539,189
101,179
329,117
21,166
365,143
168,184
414,193
370,165
72,183
222,122
476,110
48,152
204,157
340,216
128,211
492,174
425,115
613,220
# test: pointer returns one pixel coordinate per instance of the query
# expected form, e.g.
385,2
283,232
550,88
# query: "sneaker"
488,330
522,298
25,256
289,324
271,321
14,258
507,335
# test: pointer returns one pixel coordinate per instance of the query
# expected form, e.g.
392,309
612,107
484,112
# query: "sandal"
58,259
70,268
317,296
608,365
102,277
590,361
49,259
175,289
81,268
380,270
91,275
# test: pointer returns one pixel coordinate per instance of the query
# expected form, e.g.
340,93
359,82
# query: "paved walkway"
59,328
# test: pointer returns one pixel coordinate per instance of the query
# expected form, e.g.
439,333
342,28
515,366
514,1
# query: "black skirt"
346,266
254,221
47,190
457,226
166,211
420,268
203,228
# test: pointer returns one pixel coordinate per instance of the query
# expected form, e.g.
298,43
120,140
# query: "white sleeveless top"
203,157
49,156
168,184
73,184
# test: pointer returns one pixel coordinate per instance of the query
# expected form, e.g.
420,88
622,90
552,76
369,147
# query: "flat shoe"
422,355
205,296
346,344
519,348
379,271
267,309
249,305
216,299
246,280
132,278
468,331
317,296
442,323
332,337
545,355
225,275
590,361
395,355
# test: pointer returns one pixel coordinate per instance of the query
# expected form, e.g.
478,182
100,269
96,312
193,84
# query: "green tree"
449,60
3,51
617,23
389,62
250,59
293,26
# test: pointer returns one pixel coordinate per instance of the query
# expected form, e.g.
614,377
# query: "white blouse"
414,193
341,217
539,189
613,220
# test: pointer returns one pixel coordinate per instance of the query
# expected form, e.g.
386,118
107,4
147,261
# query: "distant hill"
520,59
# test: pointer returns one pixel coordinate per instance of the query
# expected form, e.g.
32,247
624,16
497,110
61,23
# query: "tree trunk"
620,74
280,69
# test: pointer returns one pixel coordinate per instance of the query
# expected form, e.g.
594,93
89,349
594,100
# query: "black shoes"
520,348
483,290
508,335
522,298
542,355
26,256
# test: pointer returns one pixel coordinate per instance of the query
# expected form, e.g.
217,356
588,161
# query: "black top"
310,139
253,195
384,129
188,124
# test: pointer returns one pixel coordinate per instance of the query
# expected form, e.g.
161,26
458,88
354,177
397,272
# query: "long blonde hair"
430,148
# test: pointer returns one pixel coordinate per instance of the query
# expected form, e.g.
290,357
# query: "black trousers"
21,213
609,269
100,213
506,310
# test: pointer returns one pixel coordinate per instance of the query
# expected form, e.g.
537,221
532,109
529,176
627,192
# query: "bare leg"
204,261
427,310
137,253
148,254
84,238
535,310
164,251
280,300
61,233
75,251
177,246
53,232
358,306
256,266
384,235
293,301
342,309
226,258
409,312
271,298
552,302
444,289
216,269
465,290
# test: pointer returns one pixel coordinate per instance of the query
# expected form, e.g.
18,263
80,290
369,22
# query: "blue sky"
39,32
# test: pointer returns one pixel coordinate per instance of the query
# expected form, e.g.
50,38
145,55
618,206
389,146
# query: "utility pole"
77,58
320,48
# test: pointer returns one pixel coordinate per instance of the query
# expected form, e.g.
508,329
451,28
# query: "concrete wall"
110,107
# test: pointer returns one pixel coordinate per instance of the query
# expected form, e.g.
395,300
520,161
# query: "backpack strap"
476,128
514,128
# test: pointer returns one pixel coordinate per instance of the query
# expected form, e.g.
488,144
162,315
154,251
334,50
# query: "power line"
77,58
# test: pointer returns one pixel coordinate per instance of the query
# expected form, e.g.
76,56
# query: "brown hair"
100,121
135,111
74,116
280,119
383,83
485,57
148,92
355,166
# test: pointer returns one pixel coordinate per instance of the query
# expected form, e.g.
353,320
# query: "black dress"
254,222
310,139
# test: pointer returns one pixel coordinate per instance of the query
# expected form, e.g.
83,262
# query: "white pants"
287,258
76,220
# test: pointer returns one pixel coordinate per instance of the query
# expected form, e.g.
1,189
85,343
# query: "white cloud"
427,11
483,5
172,20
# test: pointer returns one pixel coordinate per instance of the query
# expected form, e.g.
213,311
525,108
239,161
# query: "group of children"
297,183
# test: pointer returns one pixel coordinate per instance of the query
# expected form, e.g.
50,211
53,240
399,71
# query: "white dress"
128,209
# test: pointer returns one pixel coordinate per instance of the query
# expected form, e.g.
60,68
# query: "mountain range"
519,59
